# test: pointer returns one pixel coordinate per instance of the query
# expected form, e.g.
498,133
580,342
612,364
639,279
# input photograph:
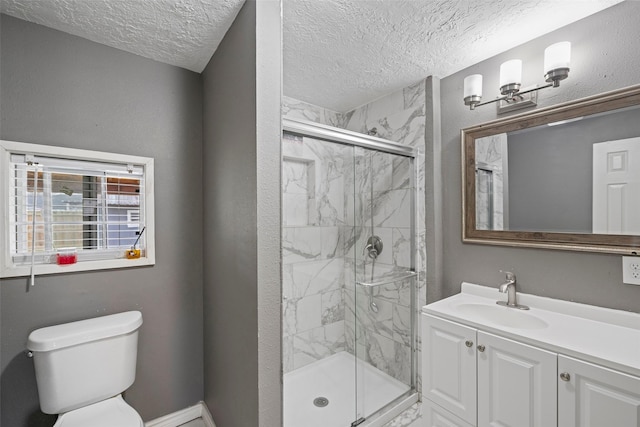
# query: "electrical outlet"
631,270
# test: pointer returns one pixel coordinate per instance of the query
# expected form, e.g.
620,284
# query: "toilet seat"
113,412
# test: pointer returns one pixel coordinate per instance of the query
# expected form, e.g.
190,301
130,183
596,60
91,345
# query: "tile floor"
195,423
411,418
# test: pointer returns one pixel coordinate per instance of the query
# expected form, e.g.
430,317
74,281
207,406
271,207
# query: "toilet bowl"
82,369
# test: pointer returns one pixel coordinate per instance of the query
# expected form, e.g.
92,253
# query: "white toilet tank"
84,362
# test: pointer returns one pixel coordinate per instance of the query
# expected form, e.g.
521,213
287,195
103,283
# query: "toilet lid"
114,412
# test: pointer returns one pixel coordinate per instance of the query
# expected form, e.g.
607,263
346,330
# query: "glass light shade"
473,85
511,72
556,56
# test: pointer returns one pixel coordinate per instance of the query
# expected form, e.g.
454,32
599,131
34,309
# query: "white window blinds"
55,204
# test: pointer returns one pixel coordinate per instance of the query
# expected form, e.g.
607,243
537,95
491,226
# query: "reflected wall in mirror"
565,177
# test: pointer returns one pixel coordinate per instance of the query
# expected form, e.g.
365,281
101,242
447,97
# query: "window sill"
42,269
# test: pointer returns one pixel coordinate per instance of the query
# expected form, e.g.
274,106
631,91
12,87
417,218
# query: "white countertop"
607,337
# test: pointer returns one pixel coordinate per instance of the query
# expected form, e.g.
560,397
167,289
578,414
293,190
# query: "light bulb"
473,85
511,72
557,56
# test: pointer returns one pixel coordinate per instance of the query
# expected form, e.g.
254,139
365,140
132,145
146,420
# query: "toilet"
83,367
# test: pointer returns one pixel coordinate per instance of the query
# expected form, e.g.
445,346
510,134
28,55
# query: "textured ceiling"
338,54
341,54
184,33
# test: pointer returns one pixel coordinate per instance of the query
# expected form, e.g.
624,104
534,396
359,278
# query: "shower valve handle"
373,247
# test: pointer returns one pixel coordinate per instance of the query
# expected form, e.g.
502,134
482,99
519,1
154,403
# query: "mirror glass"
566,176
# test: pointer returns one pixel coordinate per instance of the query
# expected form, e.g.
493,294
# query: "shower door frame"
341,136
333,134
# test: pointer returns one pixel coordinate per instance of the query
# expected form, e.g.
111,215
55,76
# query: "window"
72,210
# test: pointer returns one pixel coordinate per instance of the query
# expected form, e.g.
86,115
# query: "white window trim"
9,269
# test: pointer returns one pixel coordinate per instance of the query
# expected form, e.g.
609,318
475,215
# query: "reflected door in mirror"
616,187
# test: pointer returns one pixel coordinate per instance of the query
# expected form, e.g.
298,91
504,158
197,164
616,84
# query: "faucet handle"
367,248
509,275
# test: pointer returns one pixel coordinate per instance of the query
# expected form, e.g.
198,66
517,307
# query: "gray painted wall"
601,61
58,89
551,170
241,274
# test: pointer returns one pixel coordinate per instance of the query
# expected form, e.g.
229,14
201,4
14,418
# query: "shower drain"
321,402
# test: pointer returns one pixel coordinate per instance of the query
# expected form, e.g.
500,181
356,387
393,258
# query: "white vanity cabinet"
558,364
591,395
513,384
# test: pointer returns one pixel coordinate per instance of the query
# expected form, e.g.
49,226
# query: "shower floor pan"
333,378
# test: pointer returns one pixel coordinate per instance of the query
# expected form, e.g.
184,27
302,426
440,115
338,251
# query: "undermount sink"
503,316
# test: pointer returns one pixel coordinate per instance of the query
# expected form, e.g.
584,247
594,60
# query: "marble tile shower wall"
383,337
294,109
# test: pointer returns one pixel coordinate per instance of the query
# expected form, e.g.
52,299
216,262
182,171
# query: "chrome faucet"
509,288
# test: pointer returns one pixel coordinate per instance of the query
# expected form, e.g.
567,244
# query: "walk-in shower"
349,277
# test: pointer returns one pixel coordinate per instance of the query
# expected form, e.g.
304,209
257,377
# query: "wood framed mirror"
563,177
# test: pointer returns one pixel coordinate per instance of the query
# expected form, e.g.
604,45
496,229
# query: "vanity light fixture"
556,68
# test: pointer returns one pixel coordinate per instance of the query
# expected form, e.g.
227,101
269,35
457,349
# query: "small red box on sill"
67,256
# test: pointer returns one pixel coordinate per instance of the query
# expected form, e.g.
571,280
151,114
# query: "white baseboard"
184,416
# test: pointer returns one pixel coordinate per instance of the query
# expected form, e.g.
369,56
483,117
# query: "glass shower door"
347,254
384,274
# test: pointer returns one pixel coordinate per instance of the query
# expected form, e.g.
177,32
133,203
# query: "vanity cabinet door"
449,363
517,384
590,395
